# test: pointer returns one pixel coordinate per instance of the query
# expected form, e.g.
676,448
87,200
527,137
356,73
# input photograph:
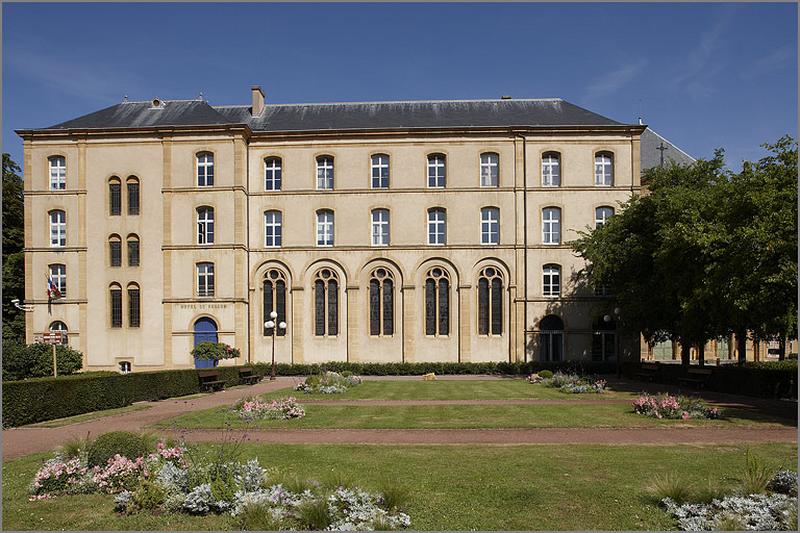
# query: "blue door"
205,330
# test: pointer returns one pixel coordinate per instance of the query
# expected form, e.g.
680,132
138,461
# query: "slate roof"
344,116
651,155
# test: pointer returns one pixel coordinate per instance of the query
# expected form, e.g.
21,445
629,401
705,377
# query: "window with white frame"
490,169
601,215
325,172
436,171
58,228
380,171
205,279
551,280
205,225
437,226
273,233
58,273
125,367
58,172
325,227
272,174
490,225
551,169
551,225
604,169
380,227
205,169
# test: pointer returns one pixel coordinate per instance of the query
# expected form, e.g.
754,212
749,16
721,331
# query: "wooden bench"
647,371
696,377
247,377
209,380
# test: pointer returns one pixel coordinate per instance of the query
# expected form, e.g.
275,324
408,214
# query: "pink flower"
685,415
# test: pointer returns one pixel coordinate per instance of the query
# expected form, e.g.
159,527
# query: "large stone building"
390,231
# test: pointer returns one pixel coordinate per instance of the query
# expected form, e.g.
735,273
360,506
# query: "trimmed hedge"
40,399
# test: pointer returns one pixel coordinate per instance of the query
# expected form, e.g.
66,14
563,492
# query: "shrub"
215,350
545,374
123,443
36,360
669,486
258,517
784,482
74,447
757,512
251,408
673,407
314,515
328,383
756,475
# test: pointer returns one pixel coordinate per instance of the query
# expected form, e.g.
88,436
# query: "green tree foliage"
36,360
705,252
13,243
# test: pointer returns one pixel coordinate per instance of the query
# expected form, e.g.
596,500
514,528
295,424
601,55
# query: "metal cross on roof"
661,147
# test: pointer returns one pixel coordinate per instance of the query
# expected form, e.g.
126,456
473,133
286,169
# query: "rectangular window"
490,225
490,170
325,173
333,307
115,198
205,279
325,228
380,171
133,252
444,307
58,173
551,285
380,227
551,170
116,308
115,248
58,274
437,227
430,307
133,308
319,308
272,174
551,225
604,170
133,198
205,169
436,171
272,229
374,307
58,228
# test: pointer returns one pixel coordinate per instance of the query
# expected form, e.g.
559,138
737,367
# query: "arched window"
663,351
437,226
551,281
205,225
58,172
324,227
324,172
437,171
133,250
114,196
490,225
133,195
604,341
272,174
58,275
437,302
602,214
273,231
134,305
490,302
551,225
58,326
125,367
490,169
380,171
723,347
380,227
115,294
58,228
115,250
551,169
326,303
205,169
205,279
381,302
604,169
274,299
551,338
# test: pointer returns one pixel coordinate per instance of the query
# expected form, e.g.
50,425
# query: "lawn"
461,416
501,389
450,487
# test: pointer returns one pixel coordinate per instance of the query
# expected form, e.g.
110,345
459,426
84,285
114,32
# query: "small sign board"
51,337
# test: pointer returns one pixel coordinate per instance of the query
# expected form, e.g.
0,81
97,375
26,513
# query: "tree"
13,244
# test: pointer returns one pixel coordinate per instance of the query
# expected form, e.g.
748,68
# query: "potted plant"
208,354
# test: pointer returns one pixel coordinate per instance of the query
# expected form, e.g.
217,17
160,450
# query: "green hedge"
40,399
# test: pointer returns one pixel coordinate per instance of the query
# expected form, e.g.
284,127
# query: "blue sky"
703,75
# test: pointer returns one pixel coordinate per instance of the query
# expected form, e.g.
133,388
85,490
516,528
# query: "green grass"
501,389
461,416
59,422
449,487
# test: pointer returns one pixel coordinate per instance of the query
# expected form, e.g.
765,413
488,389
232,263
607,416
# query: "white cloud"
612,81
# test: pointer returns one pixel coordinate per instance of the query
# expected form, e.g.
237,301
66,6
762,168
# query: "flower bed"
328,383
674,407
178,480
256,409
571,383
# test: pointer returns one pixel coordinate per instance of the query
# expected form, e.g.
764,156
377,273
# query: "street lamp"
270,324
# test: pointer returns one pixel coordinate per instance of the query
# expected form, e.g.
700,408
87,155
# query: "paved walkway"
27,440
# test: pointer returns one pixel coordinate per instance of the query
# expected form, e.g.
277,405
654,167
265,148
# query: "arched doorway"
205,330
551,338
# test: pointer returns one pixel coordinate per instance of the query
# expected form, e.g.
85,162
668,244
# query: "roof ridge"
163,100
672,143
422,101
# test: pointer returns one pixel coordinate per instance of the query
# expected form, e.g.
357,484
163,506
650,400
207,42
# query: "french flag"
52,290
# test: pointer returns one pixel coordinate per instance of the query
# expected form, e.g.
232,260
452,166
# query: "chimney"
640,121
258,100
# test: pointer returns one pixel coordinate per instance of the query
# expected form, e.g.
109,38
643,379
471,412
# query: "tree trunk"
782,348
701,354
741,345
685,354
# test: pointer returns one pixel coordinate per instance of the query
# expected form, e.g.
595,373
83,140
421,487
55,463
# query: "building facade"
380,232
